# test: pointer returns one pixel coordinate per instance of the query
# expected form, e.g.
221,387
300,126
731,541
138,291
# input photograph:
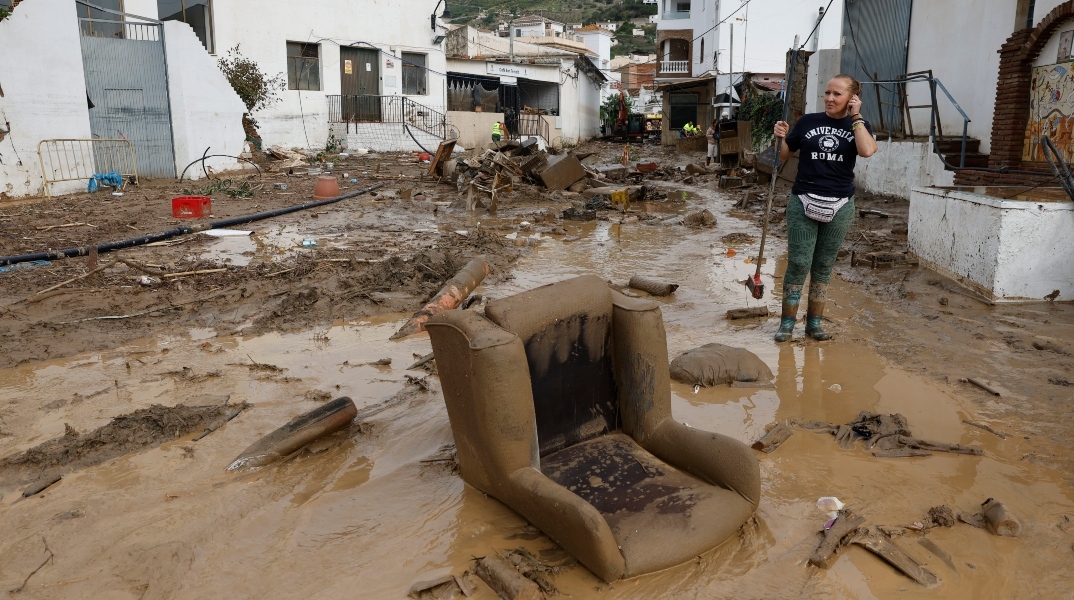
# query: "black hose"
1052,154
207,156
406,129
182,230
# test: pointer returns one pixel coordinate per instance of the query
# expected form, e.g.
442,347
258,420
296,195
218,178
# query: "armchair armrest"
486,382
561,515
712,457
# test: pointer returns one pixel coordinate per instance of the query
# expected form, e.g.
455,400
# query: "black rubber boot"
792,296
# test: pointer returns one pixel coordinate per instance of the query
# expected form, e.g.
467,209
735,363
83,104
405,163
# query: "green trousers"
813,246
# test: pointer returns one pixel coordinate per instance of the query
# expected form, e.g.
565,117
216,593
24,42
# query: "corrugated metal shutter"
126,80
875,38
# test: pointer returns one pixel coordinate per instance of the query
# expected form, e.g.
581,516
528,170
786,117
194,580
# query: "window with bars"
415,75
196,13
303,66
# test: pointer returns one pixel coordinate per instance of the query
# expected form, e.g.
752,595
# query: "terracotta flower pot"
327,187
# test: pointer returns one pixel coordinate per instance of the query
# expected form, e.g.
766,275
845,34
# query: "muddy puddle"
368,518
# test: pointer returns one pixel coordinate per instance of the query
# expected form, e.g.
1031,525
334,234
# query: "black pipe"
1063,174
182,230
204,157
415,139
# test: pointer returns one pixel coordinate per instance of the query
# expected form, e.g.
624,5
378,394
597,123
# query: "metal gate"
876,35
127,89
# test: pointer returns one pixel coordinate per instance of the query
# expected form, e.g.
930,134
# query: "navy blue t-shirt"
826,155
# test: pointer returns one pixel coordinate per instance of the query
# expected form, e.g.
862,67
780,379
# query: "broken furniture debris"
301,430
605,471
716,364
848,528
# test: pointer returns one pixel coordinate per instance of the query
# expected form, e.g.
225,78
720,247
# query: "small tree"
256,89
609,111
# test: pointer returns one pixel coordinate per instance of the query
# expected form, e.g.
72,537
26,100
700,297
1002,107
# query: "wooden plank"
774,438
846,524
884,547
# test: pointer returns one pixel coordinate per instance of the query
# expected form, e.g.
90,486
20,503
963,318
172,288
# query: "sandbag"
715,364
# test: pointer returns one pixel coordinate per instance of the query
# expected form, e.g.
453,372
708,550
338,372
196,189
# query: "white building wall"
975,30
702,19
206,111
263,28
44,91
579,97
1006,249
600,43
898,167
762,41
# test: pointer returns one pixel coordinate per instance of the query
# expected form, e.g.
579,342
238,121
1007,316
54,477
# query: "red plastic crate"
191,207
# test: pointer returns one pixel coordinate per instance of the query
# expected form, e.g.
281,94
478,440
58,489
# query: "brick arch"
1011,114
1039,35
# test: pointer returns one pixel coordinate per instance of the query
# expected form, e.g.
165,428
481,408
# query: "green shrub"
763,111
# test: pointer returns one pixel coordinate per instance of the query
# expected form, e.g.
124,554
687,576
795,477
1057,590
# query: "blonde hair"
853,85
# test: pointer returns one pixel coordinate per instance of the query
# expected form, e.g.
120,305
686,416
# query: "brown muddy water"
366,518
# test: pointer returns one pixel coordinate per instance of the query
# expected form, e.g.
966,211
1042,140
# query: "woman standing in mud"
821,206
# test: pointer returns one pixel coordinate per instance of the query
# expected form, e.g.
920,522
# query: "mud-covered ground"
144,511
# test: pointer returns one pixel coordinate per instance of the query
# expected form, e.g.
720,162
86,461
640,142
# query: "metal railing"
935,84
78,159
533,125
108,28
674,66
355,109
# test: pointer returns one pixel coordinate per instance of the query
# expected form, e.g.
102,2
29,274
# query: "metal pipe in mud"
450,296
302,430
182,230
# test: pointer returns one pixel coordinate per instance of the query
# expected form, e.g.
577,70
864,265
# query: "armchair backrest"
566,329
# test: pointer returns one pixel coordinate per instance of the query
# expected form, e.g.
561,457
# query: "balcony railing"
674,66
674,14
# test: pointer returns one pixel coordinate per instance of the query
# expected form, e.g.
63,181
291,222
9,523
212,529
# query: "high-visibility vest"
497,129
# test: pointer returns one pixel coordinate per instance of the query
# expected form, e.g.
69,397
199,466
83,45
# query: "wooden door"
359,77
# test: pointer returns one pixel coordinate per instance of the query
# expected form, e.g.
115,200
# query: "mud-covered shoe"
814,330
786,329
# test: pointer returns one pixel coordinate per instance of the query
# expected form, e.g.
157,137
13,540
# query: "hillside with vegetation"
488,13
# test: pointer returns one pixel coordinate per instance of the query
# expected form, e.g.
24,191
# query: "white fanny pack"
821,208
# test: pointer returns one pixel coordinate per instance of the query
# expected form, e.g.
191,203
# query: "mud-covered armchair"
560,405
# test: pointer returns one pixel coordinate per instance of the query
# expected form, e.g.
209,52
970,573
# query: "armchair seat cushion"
660,516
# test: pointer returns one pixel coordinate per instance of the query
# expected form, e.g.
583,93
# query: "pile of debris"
846,527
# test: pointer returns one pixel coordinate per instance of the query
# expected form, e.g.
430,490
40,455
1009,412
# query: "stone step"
954,145
975,159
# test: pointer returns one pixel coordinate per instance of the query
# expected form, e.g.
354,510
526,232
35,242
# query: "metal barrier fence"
79,159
